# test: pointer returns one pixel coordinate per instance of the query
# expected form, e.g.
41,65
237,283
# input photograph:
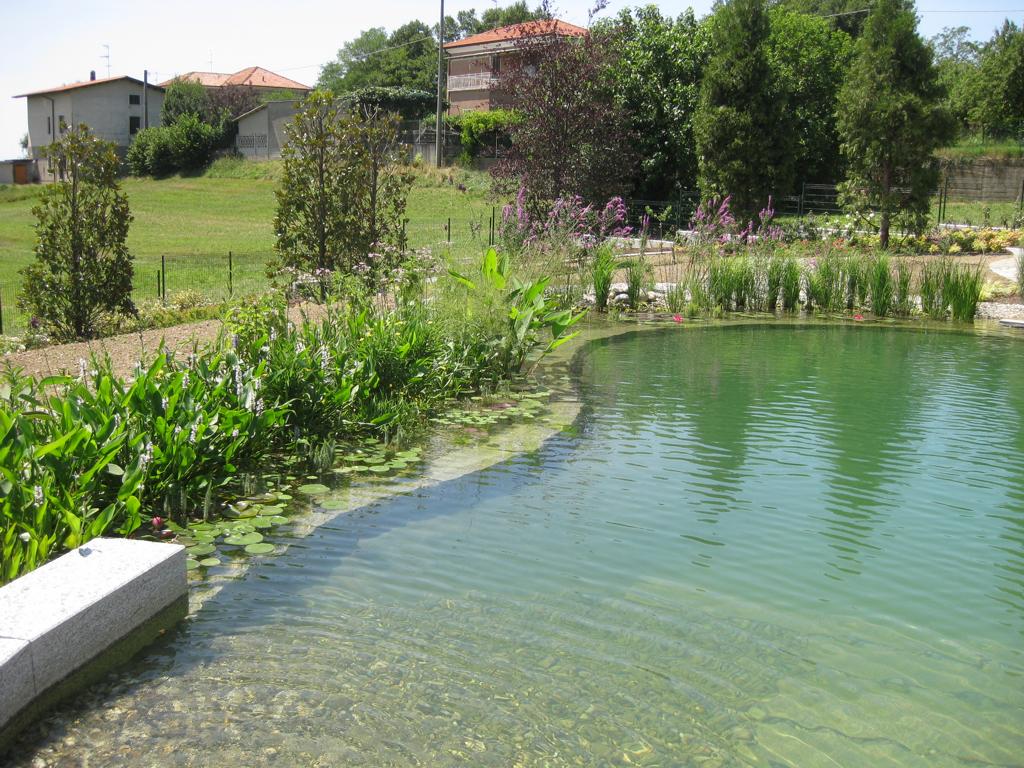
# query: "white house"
261,130
114,108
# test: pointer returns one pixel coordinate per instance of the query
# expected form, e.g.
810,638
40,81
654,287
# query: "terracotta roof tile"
258,77
518,31
86,84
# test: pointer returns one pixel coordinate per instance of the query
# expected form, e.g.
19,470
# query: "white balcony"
471,82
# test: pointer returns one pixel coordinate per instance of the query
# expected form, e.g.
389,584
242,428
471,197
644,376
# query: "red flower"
157,522
858,317
677,318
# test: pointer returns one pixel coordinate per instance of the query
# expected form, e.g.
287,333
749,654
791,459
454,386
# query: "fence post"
1,314
405,238
1020,200
231,276
448,229
803,193
163,273
158,283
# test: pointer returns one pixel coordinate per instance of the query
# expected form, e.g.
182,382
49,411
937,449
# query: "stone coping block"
59,617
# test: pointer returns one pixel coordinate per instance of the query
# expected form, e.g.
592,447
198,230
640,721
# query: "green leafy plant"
638,281
881,288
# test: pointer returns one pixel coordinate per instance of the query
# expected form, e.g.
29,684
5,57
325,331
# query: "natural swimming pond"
761,546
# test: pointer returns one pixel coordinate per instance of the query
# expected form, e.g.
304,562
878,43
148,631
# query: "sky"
293,38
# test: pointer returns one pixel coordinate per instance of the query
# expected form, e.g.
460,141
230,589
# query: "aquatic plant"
904,301
963,290
932,287
790,284
880,285
602,269
638,281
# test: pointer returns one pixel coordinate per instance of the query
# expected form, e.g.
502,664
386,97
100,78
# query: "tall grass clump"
638,281
826,283
602,270
790,284
880,286
773,281
932,287
1020,273
904,301
963,289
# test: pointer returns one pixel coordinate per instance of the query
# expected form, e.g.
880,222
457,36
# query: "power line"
364,56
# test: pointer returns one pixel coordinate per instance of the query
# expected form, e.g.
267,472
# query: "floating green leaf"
244,539
313,488
209,562
259,549
199,550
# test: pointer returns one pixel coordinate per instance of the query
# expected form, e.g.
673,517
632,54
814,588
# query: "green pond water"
763,546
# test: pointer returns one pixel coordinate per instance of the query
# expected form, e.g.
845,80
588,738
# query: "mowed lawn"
194,222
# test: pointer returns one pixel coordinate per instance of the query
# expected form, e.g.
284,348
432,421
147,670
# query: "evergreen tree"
83,269
891,121
743,133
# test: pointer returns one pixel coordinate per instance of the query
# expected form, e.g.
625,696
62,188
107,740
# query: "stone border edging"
58,620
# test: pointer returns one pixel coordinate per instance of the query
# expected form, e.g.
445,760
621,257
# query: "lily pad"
261,548
380,468
190,564
277,520
200,550
313,488
209,562
244,539
262,522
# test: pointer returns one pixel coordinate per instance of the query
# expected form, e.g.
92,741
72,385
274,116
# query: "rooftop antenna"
107,57
211,61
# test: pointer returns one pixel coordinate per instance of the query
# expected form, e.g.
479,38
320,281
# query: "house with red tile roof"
476,62
257,78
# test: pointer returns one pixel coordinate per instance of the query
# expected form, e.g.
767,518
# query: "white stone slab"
67,612
17,684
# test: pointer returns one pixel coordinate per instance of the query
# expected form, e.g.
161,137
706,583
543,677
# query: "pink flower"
858,317
157,522
677,318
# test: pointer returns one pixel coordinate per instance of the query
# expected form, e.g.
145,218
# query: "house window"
134,123
495,64
49,125
61,124
134,98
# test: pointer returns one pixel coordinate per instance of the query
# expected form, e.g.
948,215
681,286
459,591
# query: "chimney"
92,75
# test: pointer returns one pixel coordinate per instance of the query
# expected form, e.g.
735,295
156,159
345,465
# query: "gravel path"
128,349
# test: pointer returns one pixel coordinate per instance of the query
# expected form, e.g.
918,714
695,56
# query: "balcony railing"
471,82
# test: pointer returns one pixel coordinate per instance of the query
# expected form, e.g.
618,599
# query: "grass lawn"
193,222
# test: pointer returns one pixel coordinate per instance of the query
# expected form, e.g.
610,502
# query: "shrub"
479,131
963,287
191,143
1020,274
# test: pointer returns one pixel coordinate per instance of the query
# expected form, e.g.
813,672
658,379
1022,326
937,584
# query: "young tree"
341,200
573,137
743,128
184,97
656,77
957,58
406,58
82,269
891,120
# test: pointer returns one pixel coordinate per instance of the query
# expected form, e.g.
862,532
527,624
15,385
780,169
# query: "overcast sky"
50,42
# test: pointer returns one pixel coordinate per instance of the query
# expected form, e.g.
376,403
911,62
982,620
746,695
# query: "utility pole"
145,98
439,127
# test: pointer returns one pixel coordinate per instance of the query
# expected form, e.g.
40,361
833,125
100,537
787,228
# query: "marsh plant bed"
761,545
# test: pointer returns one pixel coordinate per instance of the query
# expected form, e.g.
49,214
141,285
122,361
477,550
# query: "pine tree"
891,121
743,134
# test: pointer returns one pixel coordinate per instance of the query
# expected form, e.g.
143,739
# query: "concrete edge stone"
59,620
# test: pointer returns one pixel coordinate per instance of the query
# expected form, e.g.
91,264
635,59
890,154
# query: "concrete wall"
104,107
